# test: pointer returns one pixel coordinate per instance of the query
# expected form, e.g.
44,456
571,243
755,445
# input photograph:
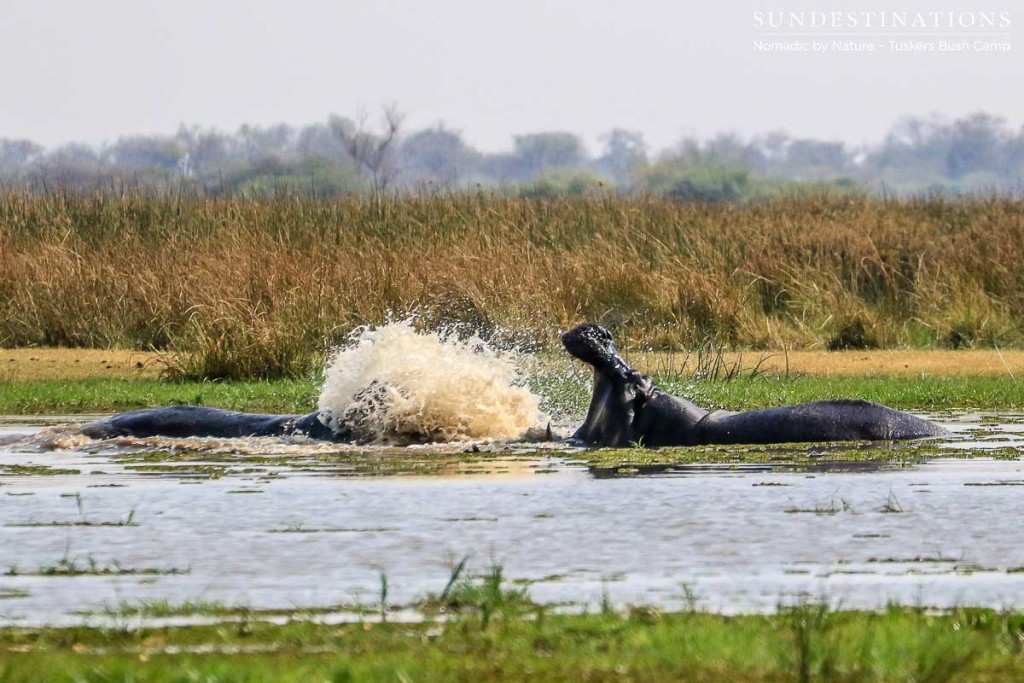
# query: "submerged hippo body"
627,409
184,421
355,425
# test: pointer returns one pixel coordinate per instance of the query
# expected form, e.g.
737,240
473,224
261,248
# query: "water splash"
397,384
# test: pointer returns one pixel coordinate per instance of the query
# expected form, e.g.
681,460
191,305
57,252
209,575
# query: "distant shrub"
311,176
561,182
697,183
767,187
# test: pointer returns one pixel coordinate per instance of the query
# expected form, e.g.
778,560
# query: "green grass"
35,471
165,608
68,397
70,566
74,523
129,520
803,643
920,393
53,397
612,462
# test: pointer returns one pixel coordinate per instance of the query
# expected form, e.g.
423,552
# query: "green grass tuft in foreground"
807,642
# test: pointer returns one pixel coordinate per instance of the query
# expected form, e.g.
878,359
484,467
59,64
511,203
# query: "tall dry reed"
261,287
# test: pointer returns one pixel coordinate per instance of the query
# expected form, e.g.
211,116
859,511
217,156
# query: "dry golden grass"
872,363
74,364
262,287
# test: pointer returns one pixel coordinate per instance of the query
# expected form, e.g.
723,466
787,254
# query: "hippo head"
620,392
591,343
594,345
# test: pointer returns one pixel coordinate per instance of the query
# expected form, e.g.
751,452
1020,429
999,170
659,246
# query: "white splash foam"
427,386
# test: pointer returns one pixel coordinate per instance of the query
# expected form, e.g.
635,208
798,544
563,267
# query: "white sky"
97,69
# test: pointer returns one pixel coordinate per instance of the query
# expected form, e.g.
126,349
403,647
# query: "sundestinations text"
825,46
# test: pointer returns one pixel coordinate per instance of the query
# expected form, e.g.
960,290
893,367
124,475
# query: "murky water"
270,523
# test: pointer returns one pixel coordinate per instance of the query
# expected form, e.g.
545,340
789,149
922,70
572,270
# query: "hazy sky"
98,69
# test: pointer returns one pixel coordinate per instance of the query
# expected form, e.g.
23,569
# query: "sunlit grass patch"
34,364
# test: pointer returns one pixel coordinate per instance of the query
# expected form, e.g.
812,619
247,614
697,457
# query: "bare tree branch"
372,151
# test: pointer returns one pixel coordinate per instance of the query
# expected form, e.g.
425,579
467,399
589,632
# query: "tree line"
978,153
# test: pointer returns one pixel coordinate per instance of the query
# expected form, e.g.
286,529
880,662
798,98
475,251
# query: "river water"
276,524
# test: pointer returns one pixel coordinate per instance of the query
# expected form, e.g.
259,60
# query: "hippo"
185,421
628,410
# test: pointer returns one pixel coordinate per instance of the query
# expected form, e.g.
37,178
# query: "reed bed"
261,287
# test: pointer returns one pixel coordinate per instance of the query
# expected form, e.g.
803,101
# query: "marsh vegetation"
261,288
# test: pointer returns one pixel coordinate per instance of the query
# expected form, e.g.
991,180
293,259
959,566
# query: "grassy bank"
64,397
47,381
68,397
260,288
806,643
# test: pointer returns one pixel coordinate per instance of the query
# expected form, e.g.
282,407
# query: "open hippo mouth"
595,345
590,343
